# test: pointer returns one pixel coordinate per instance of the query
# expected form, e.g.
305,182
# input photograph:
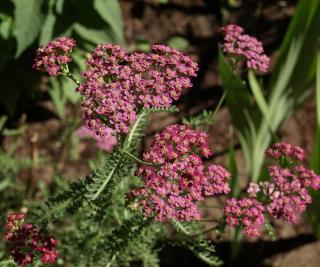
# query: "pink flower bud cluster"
307,177
26,242
286,195
55,54
104,142
118,84
279,150
248,48
246,213
178,178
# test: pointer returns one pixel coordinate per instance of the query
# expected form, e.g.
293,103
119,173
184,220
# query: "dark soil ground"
198,21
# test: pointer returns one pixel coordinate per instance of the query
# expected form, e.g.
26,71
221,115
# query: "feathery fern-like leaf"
199,244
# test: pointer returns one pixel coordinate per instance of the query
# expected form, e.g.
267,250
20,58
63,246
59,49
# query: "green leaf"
143,45
197,242
3,120
69,92
59,6
315,160
4,184
110,12
117,164
48,26
232,167
78,56
6,27
62,90
28,22
161,2
95,36
57,97
258,95
178,43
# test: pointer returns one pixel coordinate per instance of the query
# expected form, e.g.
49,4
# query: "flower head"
51,57
216,180
287,195
26,240
307,177
246,213
178,178
246,47
117,84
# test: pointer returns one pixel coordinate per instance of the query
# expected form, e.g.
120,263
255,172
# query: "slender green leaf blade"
258,95
315,161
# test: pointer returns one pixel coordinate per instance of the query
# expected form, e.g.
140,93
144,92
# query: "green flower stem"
137,159
70,76
66,72
219,105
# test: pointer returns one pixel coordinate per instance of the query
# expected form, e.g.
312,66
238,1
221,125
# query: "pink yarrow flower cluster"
105,142
26,242
279,150
55,54
285,195
178,178
248,48
117,84
246,213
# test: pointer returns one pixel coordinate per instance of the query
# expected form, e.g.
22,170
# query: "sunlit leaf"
28,22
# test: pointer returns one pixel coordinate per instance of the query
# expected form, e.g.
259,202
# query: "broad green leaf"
59,6
178,43
6,27
238,98
68,88
110,12
78,56
28,22
57,97
143,45
48,26
4,184
297,27
95,36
